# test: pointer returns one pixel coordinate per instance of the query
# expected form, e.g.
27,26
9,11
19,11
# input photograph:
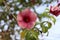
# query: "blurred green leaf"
46,15
2,27
16,8
53,19
30,3
44,27
21,1
48,1
4,16
32,35
2,2
23,33
12,24
48,24
39,1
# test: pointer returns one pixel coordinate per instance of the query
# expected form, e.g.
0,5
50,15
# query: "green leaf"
53,19
46,15
1,1
43,15
49,25
39,1
2,27
4,17
12,24
32,35
22,34
47,2
44,27
16,8
35,34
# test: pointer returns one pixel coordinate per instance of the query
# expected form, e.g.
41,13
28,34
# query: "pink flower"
26,19
55,10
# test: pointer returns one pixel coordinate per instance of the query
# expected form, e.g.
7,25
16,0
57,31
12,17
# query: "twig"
8,7
38,30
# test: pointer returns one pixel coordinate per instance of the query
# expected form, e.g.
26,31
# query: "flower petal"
22,24
26,19
30,25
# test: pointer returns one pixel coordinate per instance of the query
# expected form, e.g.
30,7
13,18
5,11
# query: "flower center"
26,19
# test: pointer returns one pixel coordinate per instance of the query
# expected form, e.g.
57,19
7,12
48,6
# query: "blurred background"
8,25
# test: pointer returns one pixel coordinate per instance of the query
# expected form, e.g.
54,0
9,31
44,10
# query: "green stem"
38,30
36,12
14,16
